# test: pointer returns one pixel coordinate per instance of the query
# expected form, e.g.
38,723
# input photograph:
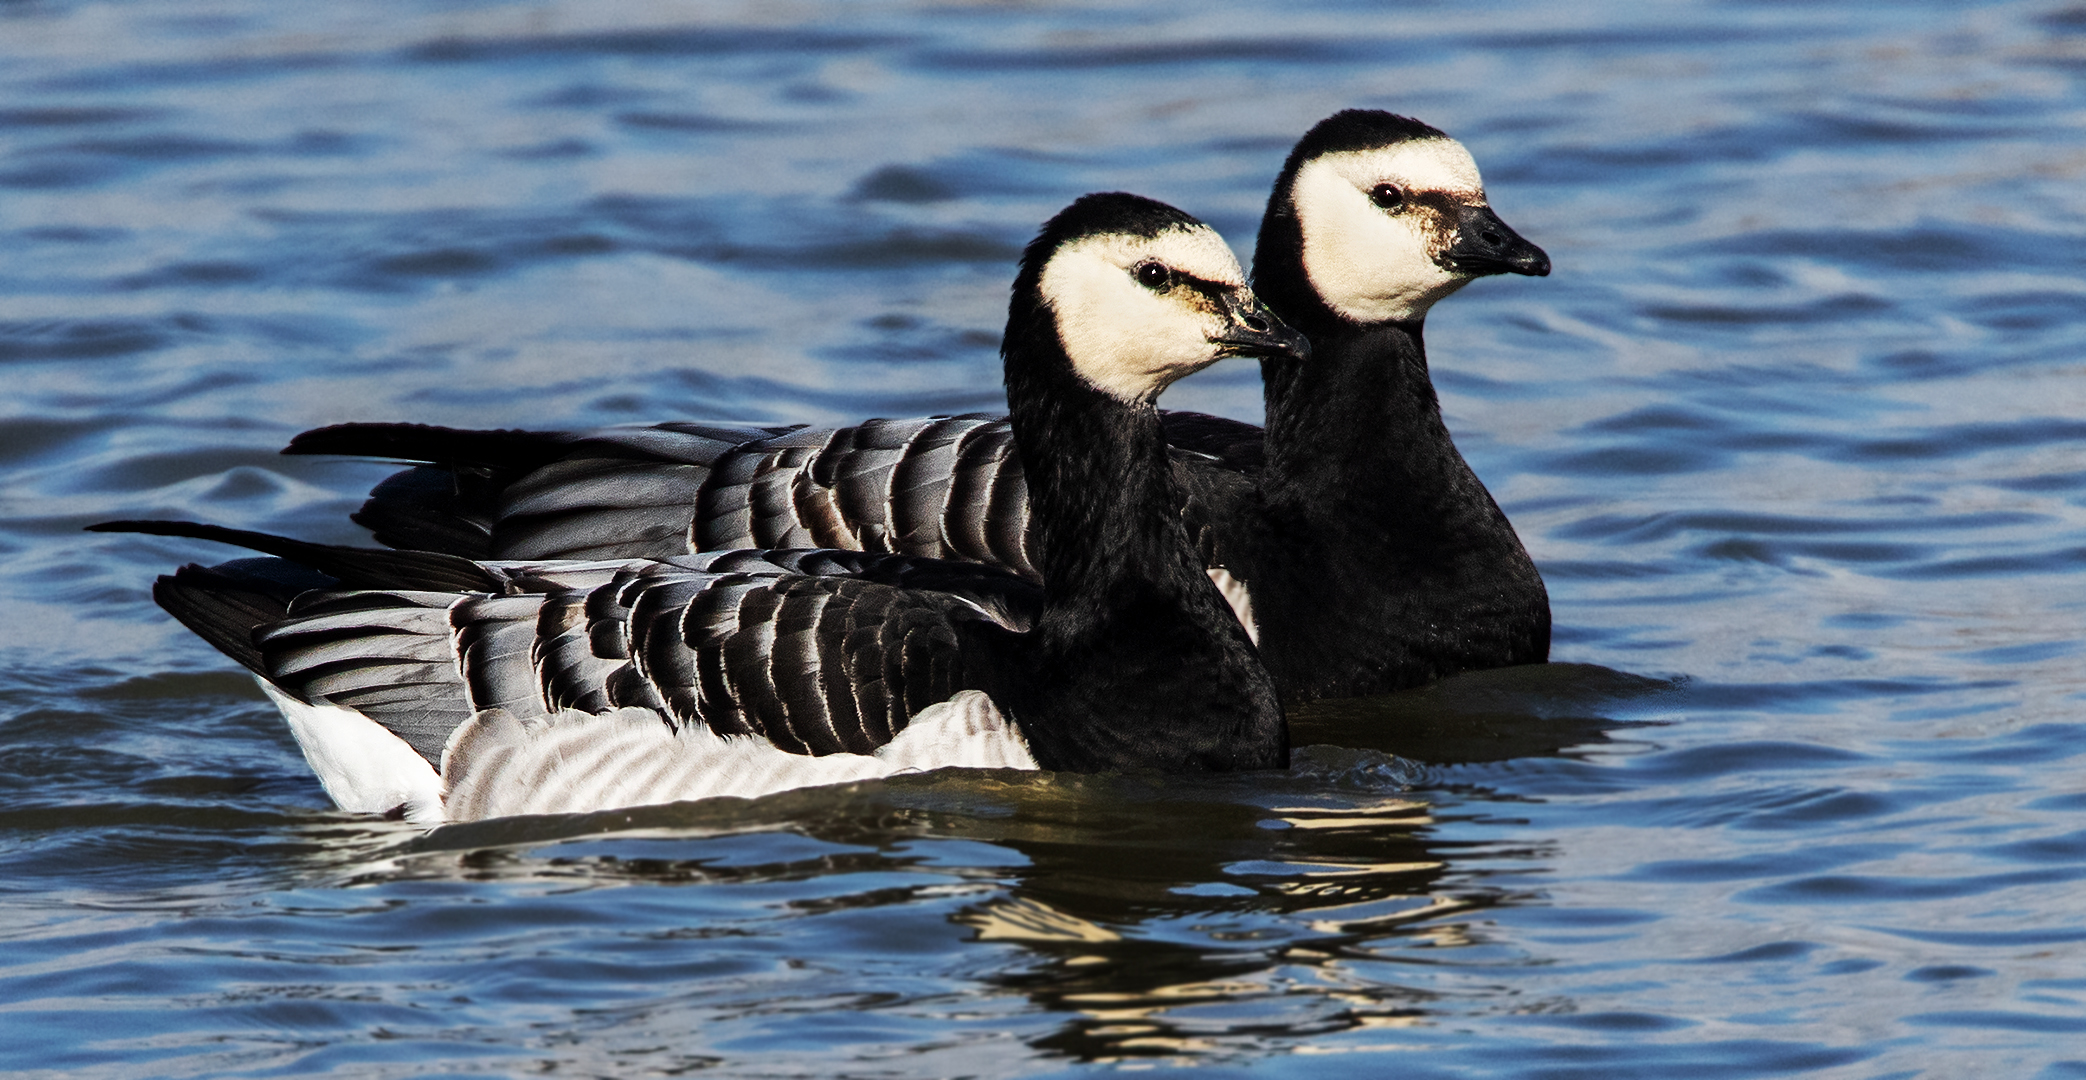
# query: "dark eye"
1388,196
1153,275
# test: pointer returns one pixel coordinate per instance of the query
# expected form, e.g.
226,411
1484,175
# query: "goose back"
947,487
506,673
1393,563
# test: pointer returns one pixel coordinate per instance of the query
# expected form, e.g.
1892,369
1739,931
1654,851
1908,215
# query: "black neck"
1356,431
1363,487
1357,427
1136,661
1361,419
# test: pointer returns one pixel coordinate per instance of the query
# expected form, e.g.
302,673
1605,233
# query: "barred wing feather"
943,487
807,666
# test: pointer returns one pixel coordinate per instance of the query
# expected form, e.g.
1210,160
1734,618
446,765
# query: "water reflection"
1153,916
1798,415
1532,711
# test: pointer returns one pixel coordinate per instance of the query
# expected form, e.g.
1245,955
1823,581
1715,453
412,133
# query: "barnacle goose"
1350,536
442,689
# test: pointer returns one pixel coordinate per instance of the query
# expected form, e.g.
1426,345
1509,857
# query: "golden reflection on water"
1019,918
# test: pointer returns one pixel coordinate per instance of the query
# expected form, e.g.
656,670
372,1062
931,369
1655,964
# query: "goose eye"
1388,196
1153,275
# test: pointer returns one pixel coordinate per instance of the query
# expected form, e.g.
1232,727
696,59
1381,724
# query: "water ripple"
1792,433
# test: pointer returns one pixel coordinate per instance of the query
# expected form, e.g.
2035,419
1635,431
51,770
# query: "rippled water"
1797,432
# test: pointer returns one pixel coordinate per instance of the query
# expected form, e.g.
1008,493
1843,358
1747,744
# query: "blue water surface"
1796,431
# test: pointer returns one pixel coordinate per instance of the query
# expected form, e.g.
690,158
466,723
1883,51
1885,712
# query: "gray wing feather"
919,488
858,467
745,502
571,675
817,664
941,487
494,638
655,611
1003,512
385,654
598,508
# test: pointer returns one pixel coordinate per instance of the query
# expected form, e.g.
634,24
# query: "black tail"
226,604
456,501
450,502
357,568
425,443
442,508
298,621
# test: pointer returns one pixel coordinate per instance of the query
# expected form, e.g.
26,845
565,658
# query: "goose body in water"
1350,536
438,688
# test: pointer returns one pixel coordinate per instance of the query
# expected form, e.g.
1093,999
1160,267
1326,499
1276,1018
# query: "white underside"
1239,597
364,768
498,766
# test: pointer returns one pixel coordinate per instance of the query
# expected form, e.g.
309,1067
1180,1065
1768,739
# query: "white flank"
1373,265
1124,338
498,766
1238,596
364,768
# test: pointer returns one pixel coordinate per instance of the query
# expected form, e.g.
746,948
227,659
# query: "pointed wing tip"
155,527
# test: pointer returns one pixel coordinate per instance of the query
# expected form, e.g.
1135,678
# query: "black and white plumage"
1351,537
947,487
1376,557
443,688
555,687
943,487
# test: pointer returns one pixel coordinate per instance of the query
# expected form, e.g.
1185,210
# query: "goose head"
1384,216
1138,294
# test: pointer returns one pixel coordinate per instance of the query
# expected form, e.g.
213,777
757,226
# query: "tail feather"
515,451
598,508
435,508
452,502
225,605
498,449
386,655
360,568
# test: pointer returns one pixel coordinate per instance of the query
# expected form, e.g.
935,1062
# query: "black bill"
1252,330
1484,245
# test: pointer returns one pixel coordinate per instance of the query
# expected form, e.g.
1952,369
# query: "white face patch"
1123,337
1373,265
